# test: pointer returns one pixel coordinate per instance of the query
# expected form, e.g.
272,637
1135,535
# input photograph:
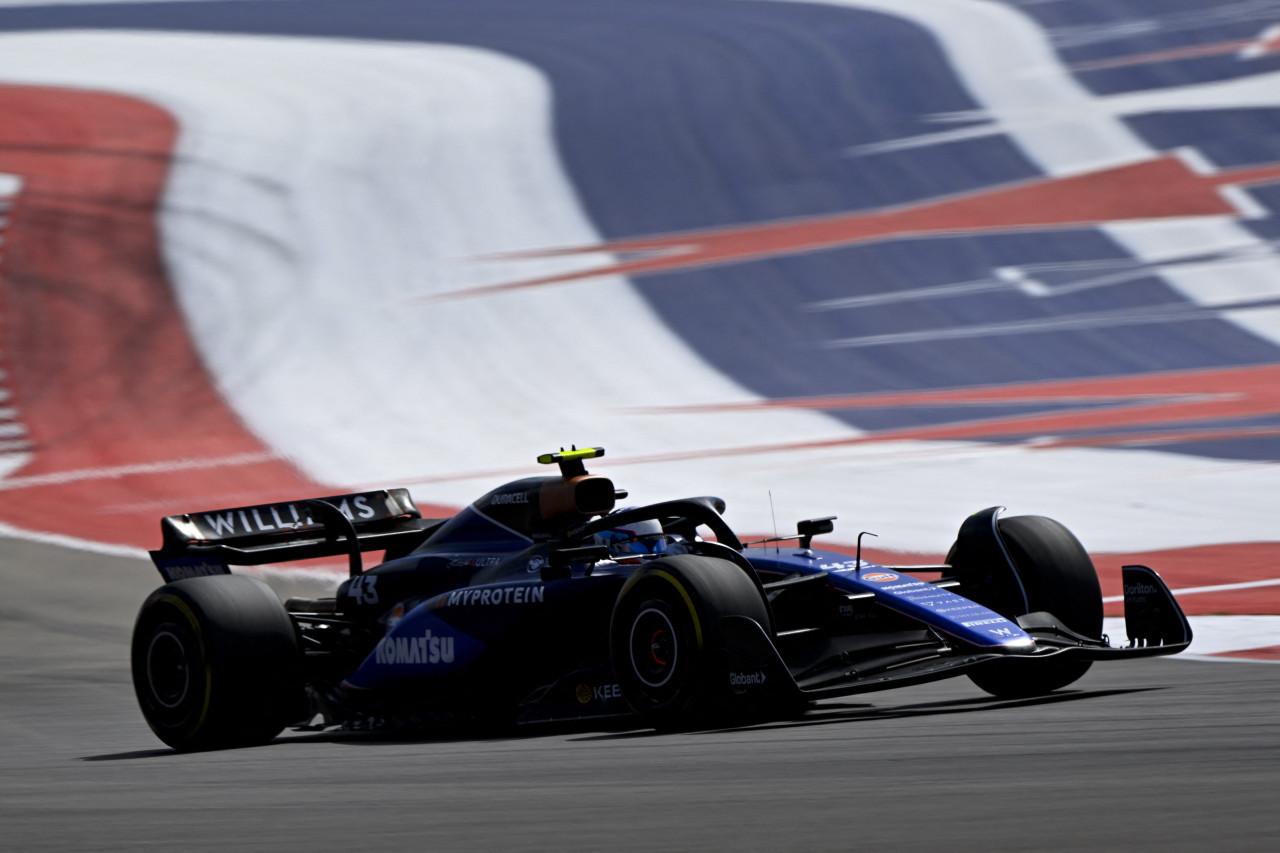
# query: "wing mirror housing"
812,527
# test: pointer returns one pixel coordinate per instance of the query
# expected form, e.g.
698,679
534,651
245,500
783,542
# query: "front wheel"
1053,573
665,637
216,663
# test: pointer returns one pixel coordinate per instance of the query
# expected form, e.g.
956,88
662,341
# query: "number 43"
364,589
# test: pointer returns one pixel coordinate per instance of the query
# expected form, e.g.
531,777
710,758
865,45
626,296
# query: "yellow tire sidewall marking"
190,616
688,601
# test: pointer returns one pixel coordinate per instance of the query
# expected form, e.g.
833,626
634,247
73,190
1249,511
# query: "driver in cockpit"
639,539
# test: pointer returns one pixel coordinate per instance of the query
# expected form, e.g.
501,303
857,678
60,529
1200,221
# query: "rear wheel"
665,637
216,663
1054,574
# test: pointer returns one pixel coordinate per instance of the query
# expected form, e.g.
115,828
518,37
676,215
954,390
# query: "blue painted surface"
687,114
932,605
421,645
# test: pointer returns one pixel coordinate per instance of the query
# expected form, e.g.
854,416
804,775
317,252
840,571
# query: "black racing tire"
1057,576
216,663
665,641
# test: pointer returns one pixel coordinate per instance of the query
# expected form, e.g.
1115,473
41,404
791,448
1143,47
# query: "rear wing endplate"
205,543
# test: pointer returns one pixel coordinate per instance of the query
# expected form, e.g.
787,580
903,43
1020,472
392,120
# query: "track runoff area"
144,412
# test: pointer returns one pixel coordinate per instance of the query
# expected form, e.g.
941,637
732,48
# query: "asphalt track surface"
1163,754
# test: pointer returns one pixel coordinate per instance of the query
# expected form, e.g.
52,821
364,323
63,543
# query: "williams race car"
543,602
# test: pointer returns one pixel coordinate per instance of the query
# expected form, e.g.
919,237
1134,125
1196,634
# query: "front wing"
1155,625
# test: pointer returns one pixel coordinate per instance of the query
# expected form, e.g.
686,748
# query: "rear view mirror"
812,527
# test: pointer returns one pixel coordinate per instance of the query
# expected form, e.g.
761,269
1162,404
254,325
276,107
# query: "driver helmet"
637,539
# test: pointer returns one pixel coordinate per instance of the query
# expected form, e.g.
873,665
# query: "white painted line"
71,542
1241,200
1174,313
1214,635
1222,587
1225,659
113,473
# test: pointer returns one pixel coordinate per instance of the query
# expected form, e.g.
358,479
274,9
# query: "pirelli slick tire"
664,637
216,663
1057,576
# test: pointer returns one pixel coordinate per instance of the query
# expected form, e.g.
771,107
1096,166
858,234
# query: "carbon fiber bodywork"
504,610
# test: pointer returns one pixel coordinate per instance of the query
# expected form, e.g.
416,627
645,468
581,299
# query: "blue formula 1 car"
540,601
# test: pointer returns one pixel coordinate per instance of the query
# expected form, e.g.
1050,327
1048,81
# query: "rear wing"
205,543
